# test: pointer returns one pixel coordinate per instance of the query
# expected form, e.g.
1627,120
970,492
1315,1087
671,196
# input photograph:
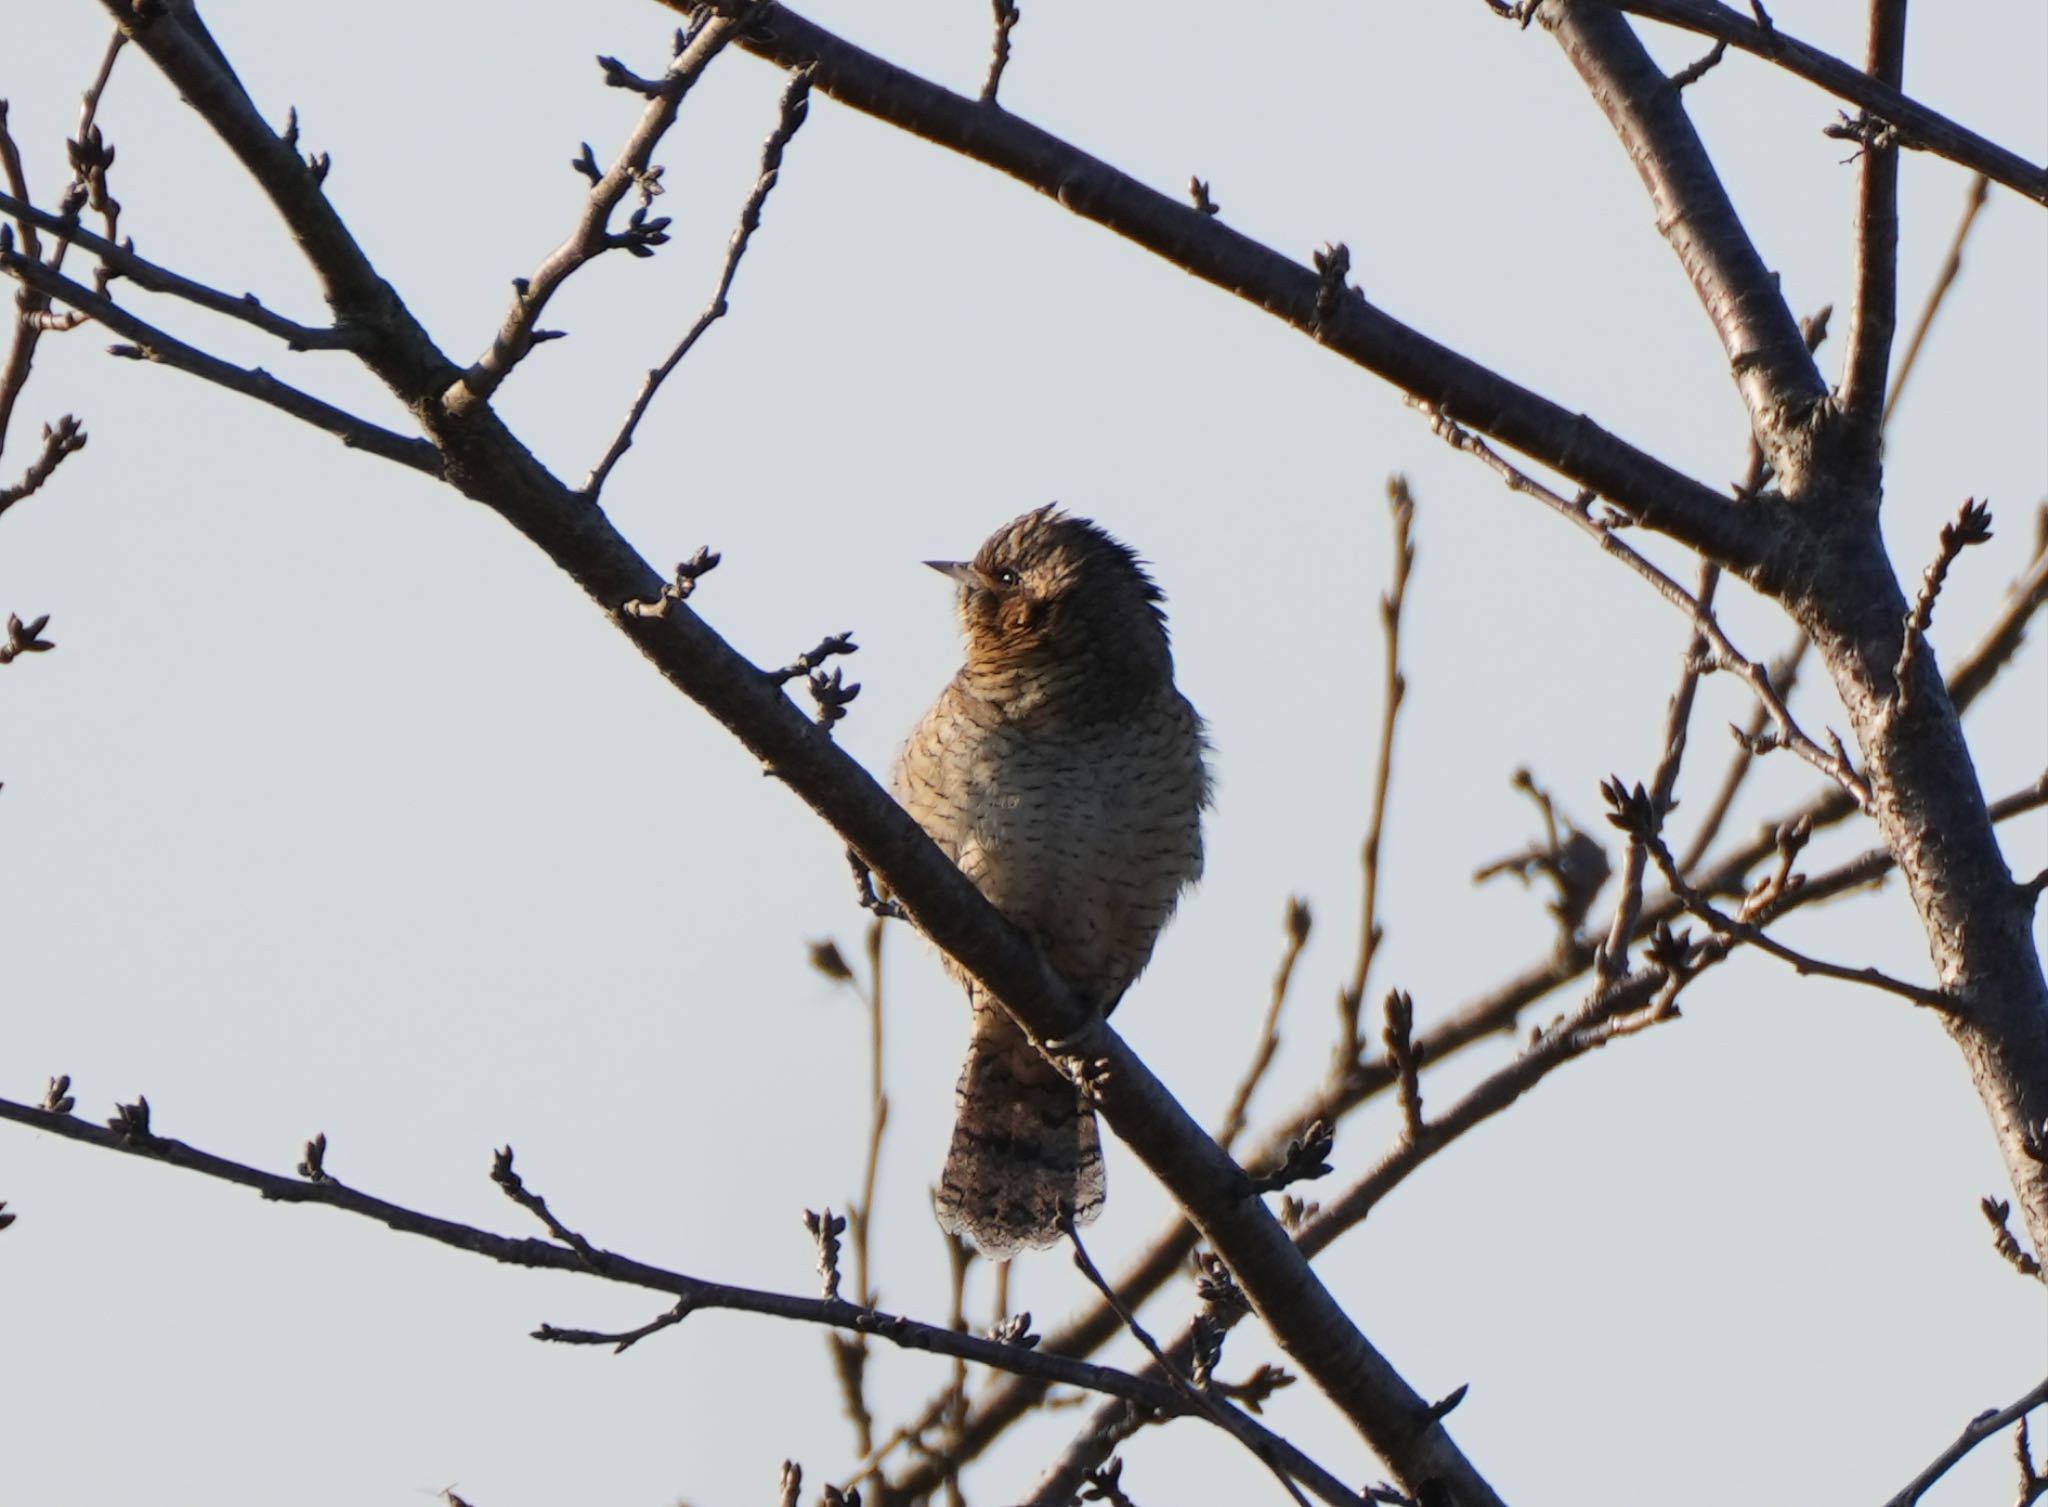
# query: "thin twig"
1784,672
61,439
1998,1214
620,1342
1236,1117
1628,906
32,308
1007,17
958,1255
1398,1037
878,1121
1635,815
1401,506
2006,632
850,1355
795,107
1641,1000
1974,1433
1980,190
515,1189
1972,526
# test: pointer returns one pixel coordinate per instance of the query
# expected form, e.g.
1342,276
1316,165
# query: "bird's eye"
1006,577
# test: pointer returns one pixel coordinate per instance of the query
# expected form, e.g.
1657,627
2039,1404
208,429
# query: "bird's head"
1050,591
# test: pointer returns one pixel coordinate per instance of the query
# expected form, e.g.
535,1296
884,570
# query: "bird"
1066,775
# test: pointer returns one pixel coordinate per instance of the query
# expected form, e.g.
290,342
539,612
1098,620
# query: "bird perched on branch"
1065,775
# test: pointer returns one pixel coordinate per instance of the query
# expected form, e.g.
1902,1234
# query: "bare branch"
1634,813
152,344
2002,639
1286,1462
1998,1214
1236,1117
122,260
1637,1002
132,1134
1972,526
593,236
1784,673
1875,312
1401,503
1775,372
1974,1433
1007,17
1694,71
63,438
1832,761
515,1189
1944,279
1205,247
795,108
1613,962
91,157
1918,127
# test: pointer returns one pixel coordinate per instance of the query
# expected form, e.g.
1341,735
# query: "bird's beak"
960,571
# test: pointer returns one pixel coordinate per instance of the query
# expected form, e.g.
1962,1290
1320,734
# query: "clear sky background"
337,809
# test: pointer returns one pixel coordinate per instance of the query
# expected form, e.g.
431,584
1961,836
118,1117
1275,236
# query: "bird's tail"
1025,1152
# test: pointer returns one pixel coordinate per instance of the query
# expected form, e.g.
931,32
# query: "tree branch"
1338,318
1766,351
152,344
1973,204
1874,315
1974,1433
1832,761
795,108
570,1253
122,260
592,236
1919,128
1351,1000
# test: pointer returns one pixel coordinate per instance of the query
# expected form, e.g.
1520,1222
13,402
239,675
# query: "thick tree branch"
1766,351
1336,317
1919,128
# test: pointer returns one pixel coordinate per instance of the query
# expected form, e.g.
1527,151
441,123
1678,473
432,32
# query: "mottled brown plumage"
1064,773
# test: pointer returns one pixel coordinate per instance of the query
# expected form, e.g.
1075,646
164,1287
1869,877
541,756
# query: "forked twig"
1832,761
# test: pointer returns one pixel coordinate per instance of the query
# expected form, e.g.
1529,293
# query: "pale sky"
337,810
